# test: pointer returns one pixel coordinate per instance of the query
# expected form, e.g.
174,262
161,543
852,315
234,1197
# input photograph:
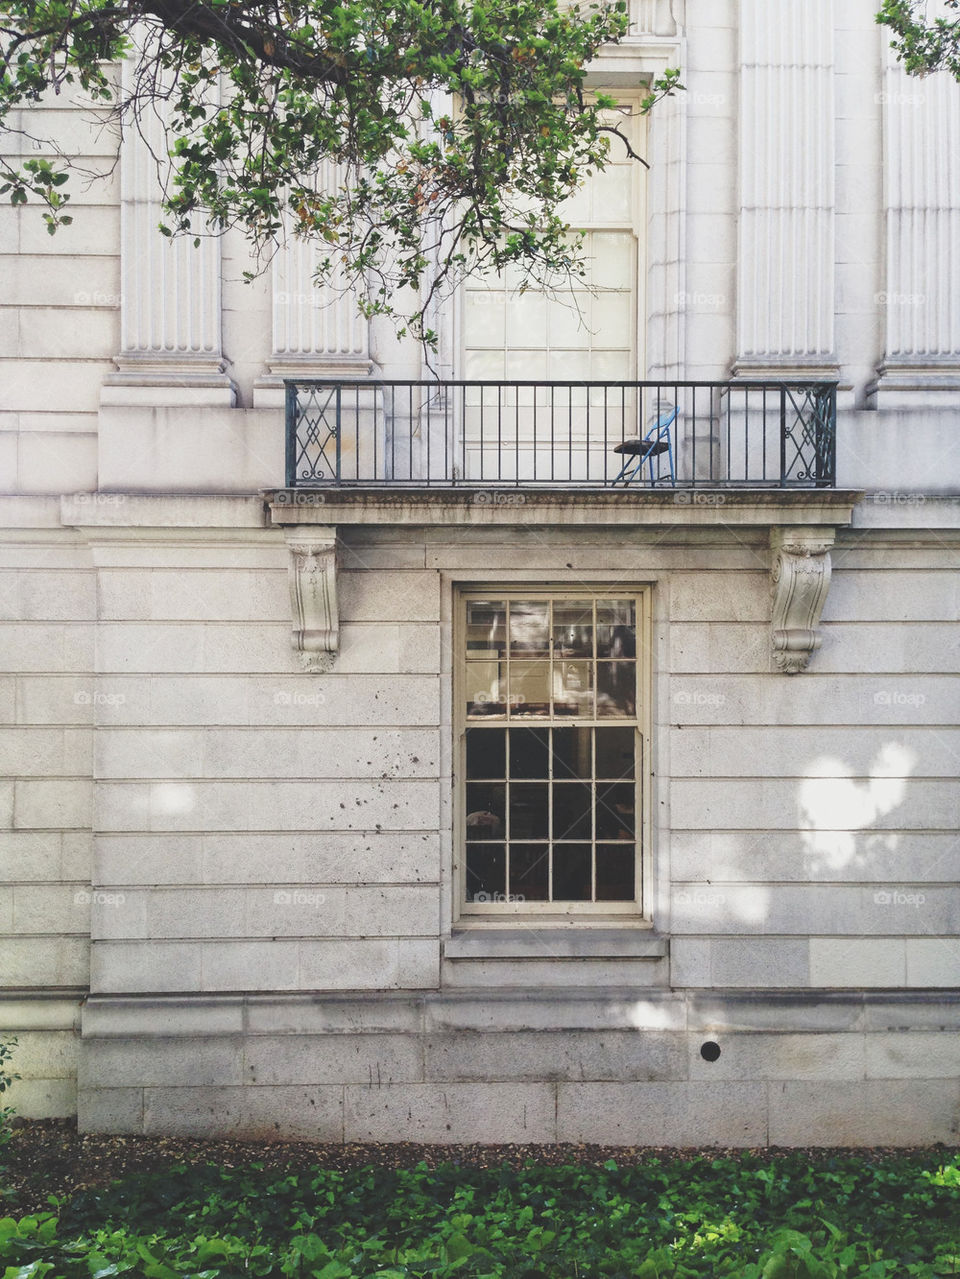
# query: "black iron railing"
562,434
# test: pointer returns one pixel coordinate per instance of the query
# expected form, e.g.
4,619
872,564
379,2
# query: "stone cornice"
507,506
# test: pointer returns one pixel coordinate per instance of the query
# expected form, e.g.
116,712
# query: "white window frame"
637,912
636,129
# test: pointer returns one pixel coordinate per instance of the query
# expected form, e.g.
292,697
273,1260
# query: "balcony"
558,435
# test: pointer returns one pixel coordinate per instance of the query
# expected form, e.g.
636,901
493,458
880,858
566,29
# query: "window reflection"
616,628
573,629
550,804
529,627
616,689
486,628
529,688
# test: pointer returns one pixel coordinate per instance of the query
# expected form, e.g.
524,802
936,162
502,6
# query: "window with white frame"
552,710
584,329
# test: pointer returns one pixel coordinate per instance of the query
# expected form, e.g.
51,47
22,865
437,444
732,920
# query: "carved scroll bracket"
313,595
801,579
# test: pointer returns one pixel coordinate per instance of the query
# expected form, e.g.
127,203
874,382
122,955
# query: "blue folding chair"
657,440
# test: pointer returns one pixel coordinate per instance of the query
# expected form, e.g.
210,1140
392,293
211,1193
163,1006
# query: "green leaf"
458,1246
334,1270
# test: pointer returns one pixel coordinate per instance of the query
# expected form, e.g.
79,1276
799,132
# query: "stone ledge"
543,942
22,511
518,1009
507,505
904,513
123,510
25,1010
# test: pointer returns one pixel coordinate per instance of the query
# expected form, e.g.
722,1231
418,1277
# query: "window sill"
540,942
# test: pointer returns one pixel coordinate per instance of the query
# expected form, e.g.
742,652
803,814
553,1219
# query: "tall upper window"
552,708
587,330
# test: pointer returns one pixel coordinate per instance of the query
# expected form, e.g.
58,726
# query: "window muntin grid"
553,758
556,658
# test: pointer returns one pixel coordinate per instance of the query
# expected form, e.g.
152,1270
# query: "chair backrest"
667,416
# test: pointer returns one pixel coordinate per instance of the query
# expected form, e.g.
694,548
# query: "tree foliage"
415,140
7,1077
923,44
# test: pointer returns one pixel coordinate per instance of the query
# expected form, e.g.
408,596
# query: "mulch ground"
49,1157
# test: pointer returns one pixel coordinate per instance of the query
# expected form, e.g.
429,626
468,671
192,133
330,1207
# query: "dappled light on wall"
835,808
171,798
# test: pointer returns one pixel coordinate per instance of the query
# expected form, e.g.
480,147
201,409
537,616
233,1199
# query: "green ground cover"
751,1216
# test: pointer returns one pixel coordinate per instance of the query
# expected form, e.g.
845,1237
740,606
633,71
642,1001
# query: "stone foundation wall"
508,1066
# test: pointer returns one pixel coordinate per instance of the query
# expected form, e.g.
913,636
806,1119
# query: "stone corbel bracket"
800,579
313,595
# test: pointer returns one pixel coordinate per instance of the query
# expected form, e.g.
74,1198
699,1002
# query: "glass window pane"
529,752
529,872
572,810
616,689
615,873
549,806
528,810
573,688
529,688
486,627
571,753
573,628
615,815
616,628
571,873
483,316
485,811
486,872
615,750
486,689
486,752
530,627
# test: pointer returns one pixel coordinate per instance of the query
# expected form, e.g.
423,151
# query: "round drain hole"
709,1051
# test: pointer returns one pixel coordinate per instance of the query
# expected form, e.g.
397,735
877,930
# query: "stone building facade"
464,801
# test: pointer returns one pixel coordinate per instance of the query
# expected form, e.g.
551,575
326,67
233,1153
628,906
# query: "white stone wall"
260,828
812,819
47,702
59,312
272,843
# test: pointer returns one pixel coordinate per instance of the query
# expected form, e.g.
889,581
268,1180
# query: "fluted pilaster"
786,167
170,306
653,17
318,330
920,304
665,242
